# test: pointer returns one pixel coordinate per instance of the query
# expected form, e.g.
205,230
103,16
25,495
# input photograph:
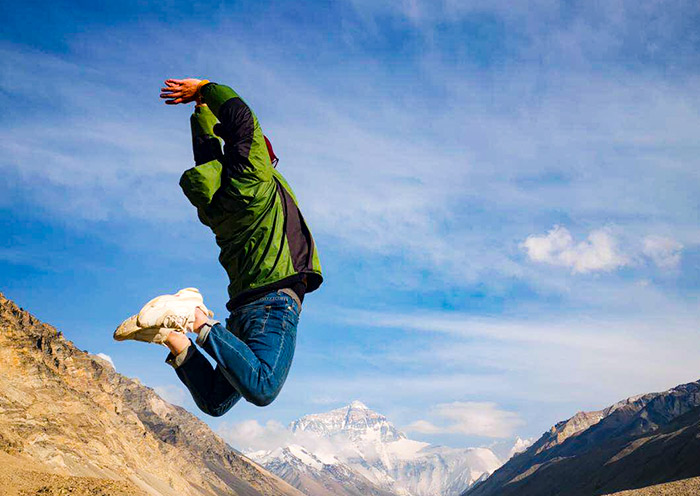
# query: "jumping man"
266,249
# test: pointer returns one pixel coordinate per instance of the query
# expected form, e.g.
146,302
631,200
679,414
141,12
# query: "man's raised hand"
180,90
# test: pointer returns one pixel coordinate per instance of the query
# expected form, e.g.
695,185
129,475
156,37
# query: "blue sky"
504,195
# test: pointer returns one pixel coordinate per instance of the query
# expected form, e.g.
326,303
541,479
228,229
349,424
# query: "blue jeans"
253,354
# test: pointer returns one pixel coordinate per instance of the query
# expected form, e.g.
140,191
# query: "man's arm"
244,149
202,181
237,126
205,144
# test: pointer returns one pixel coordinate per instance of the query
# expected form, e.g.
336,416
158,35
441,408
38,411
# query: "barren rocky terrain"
70,424
687,487
634,445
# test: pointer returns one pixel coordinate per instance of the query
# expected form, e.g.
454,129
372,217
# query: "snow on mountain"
356,422
367,448
316,475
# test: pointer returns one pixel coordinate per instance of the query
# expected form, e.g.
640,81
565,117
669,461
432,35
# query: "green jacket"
265,243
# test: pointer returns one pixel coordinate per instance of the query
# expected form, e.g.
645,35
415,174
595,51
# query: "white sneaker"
161,316
175,312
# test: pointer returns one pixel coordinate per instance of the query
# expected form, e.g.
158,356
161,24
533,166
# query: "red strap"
273,157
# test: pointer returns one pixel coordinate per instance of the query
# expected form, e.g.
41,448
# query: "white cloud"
589,334
644,343
107,358
250,435
520,445
665,252
598,253
172,393
471,418
424,427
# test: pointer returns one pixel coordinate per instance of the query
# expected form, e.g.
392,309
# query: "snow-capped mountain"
355,422
316,474
354,450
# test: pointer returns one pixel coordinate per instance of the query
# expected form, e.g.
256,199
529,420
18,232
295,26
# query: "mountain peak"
354,421
367,455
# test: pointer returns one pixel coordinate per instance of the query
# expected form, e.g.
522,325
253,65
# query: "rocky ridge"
69,419
638,442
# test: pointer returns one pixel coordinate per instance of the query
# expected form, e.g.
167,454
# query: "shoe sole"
126,328
130,330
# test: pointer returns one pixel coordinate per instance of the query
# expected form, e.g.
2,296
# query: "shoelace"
177,322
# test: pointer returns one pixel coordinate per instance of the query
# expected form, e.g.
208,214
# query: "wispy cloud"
557,360
470,418
173,393
456,203
250,435
97,157
665,252
106,358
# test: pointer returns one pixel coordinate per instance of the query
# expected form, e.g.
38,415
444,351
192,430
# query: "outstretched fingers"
177,91
170,94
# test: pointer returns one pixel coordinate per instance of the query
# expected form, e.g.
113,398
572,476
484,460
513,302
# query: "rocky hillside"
69,424
639,442
684,487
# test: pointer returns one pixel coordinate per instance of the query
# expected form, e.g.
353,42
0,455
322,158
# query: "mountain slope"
685,487
68,418
360,450
635,443
316,474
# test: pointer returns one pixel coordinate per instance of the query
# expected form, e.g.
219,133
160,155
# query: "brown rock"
69,424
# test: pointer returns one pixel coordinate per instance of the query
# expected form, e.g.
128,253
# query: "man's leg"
210,389
257,359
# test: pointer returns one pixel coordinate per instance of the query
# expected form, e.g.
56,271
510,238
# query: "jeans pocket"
290,318
253,321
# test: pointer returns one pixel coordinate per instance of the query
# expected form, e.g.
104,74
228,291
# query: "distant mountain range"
69,424
638,442
366,455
